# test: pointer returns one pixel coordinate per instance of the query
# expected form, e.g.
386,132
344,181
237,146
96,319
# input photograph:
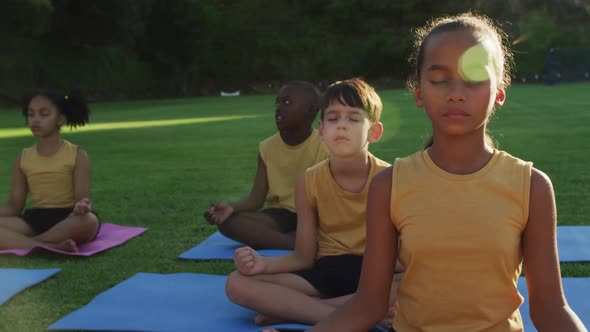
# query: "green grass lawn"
160,163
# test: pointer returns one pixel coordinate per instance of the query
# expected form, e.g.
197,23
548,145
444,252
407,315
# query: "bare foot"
261,319
68,245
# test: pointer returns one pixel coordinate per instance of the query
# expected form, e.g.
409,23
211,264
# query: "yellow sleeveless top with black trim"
461,244
50,179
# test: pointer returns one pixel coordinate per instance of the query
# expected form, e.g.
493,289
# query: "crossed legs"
288,297
278,297
257,230
65,235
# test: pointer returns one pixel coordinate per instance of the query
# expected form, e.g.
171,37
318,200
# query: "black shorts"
334,276
285,219
43,219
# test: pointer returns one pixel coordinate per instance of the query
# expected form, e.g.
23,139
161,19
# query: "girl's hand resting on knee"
82,207
218,212
248,261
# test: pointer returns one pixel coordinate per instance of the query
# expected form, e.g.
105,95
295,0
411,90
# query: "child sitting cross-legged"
56,174
282,158
330,199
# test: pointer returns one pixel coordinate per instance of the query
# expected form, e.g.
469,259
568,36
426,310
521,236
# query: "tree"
174,40
24,18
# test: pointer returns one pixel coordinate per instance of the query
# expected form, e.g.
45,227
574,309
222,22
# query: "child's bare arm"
255,199
18,192
306,242
548,307
82,183
249,262
218,212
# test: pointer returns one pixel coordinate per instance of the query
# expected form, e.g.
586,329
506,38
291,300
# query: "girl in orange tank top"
461,76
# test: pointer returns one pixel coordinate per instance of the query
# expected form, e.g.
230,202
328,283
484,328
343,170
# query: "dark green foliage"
132,48
24,18
173,42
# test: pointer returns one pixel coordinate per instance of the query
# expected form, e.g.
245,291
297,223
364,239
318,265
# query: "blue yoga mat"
573,243
13,281
218,246
576,292
164,302
197,302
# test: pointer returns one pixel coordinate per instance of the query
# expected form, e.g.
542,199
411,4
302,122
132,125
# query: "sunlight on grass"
18,132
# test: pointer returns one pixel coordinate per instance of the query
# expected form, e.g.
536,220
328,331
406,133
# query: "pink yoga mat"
109,236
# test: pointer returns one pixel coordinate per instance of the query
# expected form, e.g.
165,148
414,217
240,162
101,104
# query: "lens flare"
474,64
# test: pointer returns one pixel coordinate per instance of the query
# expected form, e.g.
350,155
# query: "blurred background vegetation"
123,49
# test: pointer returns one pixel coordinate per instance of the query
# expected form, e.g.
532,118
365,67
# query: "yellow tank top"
460,241
341,214
50,179
285,164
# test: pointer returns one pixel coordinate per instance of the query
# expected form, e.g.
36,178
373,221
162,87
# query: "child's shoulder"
276,143
380,163
70,144
319,168
415,157
71,147
28,150
415,162
506,157
272,139
71,151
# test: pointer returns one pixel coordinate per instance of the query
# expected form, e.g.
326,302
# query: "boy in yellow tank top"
56,173
330,201
282,158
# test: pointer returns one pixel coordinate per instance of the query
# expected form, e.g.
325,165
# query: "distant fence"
567,65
